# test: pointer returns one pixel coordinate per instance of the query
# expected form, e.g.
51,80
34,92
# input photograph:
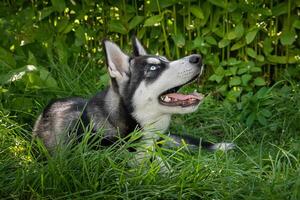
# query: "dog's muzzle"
172,98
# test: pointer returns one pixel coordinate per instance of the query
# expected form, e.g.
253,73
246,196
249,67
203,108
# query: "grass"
265,164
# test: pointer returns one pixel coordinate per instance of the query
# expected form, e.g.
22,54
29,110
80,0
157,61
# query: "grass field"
265,164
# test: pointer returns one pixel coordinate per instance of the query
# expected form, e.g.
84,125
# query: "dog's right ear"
138,49
117,61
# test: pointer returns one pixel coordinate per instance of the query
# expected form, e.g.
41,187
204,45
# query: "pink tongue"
183,97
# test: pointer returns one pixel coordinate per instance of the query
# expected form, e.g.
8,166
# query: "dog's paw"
223,146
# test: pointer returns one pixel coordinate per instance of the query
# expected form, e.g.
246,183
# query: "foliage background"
245,44
251,49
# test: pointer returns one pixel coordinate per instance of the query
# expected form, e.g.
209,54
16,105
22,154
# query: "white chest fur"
153,124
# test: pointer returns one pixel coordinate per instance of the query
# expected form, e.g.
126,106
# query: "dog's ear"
138,49
117,61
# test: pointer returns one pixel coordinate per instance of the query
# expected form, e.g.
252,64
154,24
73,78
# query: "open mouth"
172,98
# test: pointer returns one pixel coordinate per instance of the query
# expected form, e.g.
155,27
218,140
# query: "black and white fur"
134,100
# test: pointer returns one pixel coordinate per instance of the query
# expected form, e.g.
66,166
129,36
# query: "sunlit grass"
263,166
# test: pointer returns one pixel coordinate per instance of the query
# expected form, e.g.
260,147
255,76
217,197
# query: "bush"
246,45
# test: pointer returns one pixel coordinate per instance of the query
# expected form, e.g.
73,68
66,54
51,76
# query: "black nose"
195,59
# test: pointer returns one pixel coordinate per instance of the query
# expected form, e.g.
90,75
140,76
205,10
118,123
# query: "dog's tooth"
167,99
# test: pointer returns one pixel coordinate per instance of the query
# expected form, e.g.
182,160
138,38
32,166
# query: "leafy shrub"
246,45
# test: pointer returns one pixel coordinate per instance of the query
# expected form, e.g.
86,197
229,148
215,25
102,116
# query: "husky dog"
142,95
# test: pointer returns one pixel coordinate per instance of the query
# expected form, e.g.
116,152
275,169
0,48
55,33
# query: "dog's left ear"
138,49
117,61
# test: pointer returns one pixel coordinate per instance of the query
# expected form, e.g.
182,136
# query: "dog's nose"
195,59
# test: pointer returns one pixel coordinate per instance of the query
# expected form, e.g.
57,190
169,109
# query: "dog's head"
149,83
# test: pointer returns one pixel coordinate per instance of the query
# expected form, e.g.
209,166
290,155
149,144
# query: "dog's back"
68,118
57,118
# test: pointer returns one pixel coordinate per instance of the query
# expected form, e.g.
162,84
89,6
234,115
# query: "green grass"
265,164
257,169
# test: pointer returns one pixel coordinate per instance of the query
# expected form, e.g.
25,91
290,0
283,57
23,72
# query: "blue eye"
153,68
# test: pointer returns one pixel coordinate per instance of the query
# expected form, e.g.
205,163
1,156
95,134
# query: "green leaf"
62,24
199,42
58,5
231,71
32,80
280,9
179,39
242,70
265,112
80,36
251,35
250,119
45,13
234,81
231,35
223,43
223,88
233,94
219,78
264,12
212,60
211,40
262,120
259,81
116,26
238,45
7,59
251,52
215,77
31,59
44,32
267,46
260,58
135,21
283,59
204,50
219,3
22,103
68,28
296,24
129,8
47,78
233,61
239,30
153,20
255,69
246,78
228,72
3,90
262,93
60,49
220,71
231,6
287,38
197,11
152,5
